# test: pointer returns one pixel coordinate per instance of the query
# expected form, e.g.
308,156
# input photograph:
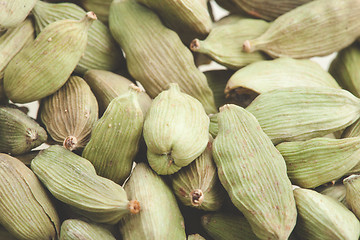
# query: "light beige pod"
26,210
352,185
13,12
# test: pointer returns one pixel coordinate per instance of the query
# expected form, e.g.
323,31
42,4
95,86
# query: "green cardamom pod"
76,229
253,172
336,191
13,12
100,7
42,67
176,131
352,131
352,186
297,34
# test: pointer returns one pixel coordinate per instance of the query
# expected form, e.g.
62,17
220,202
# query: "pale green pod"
226,226
73,180
13,12
159,217
317,161
253,172
352,185
115,139
176,130
352,131
155,60
107,86
224,43
18,132
100,7
345,68
213,126
26,210
101,50
317,28
336,191
195,237
323,218
302,113
76,229
70,113
264,76
217,80
43,66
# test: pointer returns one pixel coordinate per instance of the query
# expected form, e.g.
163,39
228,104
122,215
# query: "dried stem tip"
134,206
197,197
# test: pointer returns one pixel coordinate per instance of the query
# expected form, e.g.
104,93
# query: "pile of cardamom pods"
137,143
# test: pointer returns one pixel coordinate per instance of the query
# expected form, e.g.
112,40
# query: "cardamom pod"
75,229
336,191
352,185
101,8
13,12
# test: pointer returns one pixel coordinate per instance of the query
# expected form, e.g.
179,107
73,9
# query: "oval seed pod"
288,115
26,210
73,180
225,226
336,191
345,68
101,50
323,218
197,184
75,229
296,34
133,26
264,76
18,132
13,12
176,131
317,161
224,43
217,80
253,172
70,113
352,185
159,217
120,129
42,67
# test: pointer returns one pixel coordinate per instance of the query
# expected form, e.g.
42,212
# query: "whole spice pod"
345,68
133,26
336,191
352,131
225,226
197,185
297,34
288,115
73,180
100,7
70,113
13,12
352,185
317,161
224,43
43,66
176,131
107,86
120,128
217,80
159,217
253,172
322,217
76,229
102,52
18,132
26,210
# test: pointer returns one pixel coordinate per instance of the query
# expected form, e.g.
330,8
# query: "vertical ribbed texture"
159,217
336,191
352,185
75,229
13,12
253,173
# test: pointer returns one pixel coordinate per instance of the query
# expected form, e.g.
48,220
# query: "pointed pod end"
135,88
197,197
195,45
224,107
91,16
247,47
70,143
134,206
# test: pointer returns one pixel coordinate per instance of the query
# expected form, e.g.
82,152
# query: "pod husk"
75,229
335,191
14,12
352,185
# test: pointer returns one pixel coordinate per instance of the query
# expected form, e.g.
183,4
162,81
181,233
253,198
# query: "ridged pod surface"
317,28
317,161
76,229
101,50
345,68
226,226
18,132
26,210
13,12
70,113
73,180
336,191
224,43
323,218
155,54
43,66
197,185
115,139
107,86
302,113
352,185
176,131
352,131
159,217
253,172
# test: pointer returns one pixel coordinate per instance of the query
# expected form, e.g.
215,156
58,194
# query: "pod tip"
70,143
195,45
247,46
91,15
134,206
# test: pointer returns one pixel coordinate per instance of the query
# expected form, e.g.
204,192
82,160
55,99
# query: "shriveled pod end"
139,85
197,197
91,16
70,143
134,206
135,88
248,47
195,45
225,107
31,135
351,178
